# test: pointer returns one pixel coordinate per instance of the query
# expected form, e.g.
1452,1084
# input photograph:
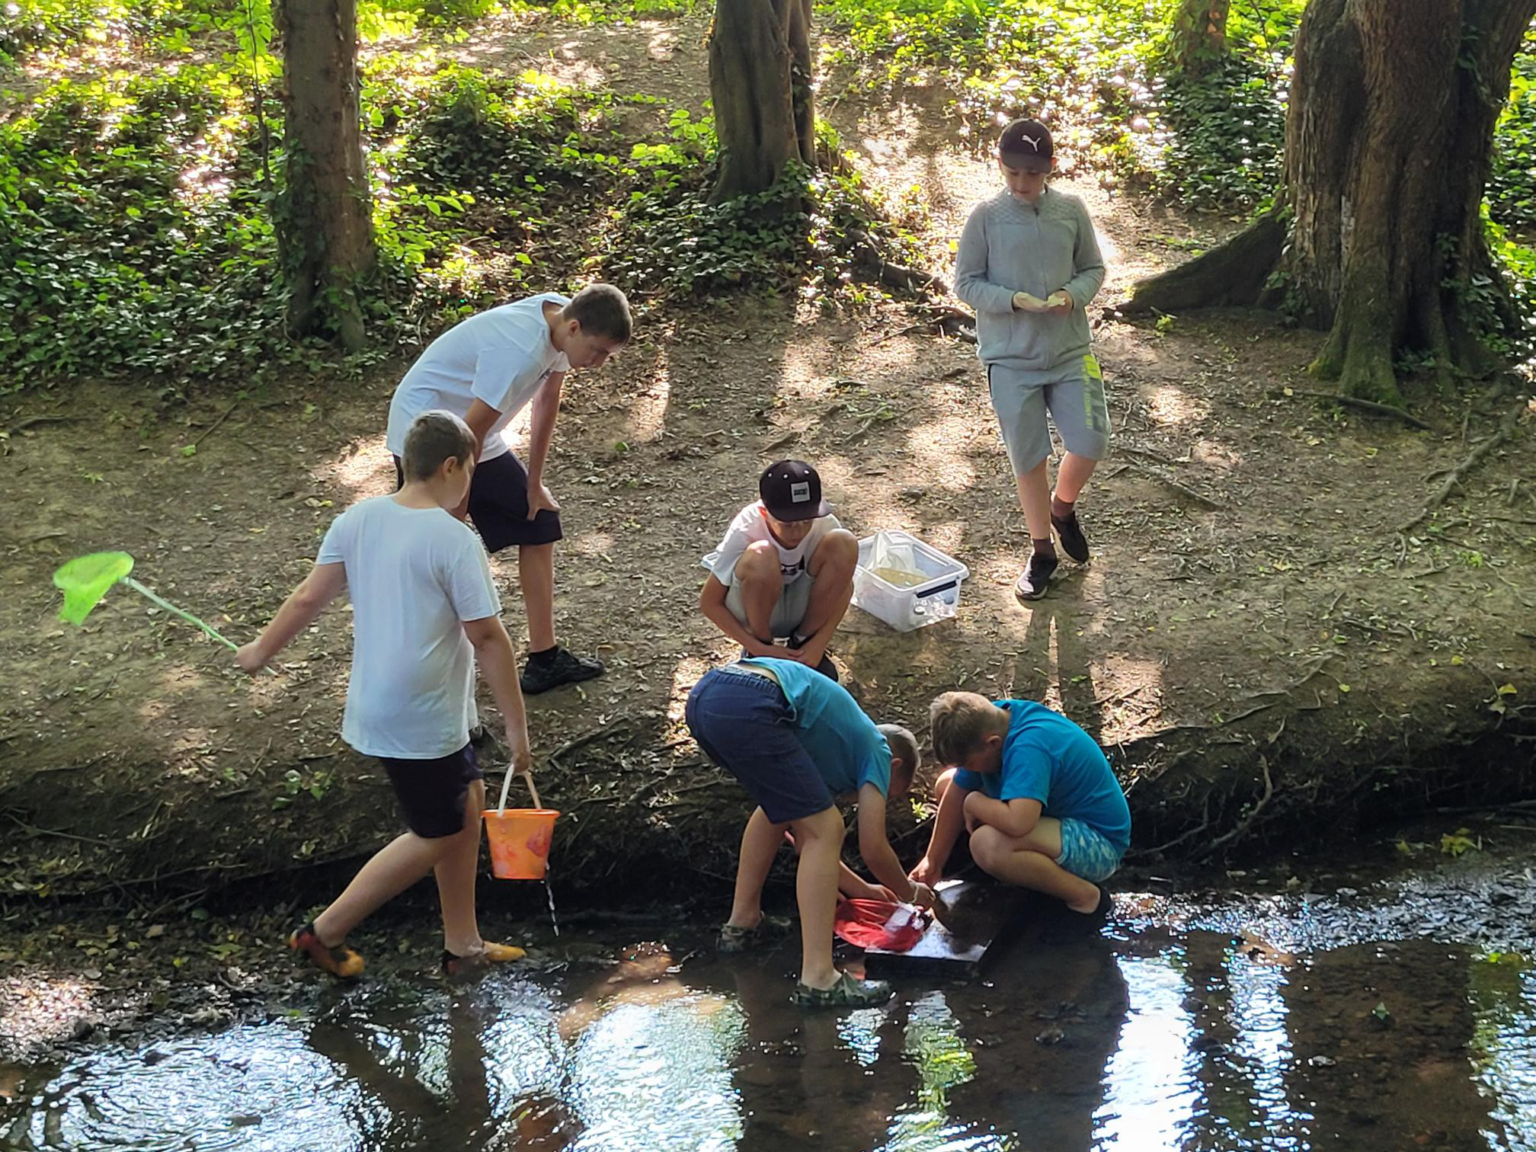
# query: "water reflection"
1193,1040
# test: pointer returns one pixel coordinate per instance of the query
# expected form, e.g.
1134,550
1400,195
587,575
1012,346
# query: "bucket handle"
506,783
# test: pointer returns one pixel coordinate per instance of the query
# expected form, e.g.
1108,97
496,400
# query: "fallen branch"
208,431
1365,406
617,725
1457,474
1168,481
34,421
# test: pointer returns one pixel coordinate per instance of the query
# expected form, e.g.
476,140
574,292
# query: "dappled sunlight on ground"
364,469
41,1006
1173,406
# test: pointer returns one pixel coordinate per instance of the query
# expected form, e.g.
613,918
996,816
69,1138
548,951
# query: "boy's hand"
522,758
922,895
926,872
1060,302
250,659
879,892
540,497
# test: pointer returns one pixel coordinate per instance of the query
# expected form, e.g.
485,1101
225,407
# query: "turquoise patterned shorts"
1086,852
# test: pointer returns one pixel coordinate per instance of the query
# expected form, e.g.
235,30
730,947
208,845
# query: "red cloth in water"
863,924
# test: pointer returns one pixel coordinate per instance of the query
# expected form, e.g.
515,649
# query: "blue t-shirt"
1048,758
841,741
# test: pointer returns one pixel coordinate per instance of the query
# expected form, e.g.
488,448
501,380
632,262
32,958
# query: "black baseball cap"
791,490
1026,144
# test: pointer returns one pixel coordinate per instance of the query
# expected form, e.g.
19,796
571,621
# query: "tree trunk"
325,224
760,80
1387,142
1199,34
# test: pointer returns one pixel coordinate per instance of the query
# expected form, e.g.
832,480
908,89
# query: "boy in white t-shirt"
486,370
784,569
425,612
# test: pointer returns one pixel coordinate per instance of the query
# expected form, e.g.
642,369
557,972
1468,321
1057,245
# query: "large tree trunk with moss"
760,80
1377,234
325,221
1198,36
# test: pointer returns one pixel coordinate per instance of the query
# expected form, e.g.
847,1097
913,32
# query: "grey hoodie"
1009,246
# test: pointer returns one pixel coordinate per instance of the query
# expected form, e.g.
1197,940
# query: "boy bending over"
486,369
795,740
1040,801
425,611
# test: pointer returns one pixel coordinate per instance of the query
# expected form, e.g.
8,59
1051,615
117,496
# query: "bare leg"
759,845
1071,476
456,878
1035,499
831,566
757,573
536,571
820,838
392,869
1030,862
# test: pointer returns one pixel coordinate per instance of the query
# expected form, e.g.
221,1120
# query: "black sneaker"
564,667
1036,578
1069,533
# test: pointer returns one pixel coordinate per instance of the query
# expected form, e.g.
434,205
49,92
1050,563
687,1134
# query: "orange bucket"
519,839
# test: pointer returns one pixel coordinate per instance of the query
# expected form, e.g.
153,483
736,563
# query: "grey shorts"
788,613
1075,402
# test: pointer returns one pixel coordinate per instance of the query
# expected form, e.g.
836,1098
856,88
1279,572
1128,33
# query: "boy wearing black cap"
784,568
1029,264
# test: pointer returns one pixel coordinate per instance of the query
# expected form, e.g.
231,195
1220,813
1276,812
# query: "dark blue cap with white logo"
791,490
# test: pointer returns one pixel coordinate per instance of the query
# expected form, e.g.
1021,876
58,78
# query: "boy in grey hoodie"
1029,264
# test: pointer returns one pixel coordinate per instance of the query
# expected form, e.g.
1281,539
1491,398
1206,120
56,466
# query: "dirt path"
1257,643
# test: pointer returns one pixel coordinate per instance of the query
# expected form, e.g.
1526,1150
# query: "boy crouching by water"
425,611
1035,792
796,739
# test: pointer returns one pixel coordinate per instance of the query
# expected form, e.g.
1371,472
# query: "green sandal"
848,992
734,939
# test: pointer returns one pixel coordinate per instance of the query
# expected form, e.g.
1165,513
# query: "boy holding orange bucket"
796,740
425,612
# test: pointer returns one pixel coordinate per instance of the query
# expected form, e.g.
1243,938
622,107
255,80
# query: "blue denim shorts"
1086,852
744,724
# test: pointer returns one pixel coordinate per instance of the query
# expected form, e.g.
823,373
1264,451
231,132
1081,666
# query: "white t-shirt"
501,357
749,527
414,575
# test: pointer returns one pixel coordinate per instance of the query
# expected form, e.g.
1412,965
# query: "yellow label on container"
1091,367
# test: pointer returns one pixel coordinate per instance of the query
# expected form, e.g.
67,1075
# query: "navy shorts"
432,792
498,505
744,724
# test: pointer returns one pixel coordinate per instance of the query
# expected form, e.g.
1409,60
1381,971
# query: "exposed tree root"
1365,406
1454,478
1233,273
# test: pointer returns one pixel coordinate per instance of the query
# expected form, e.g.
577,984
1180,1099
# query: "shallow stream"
1388,1012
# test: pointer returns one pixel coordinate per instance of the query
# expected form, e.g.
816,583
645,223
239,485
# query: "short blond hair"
959,722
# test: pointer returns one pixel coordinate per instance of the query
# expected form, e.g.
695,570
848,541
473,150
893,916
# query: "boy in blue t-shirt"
796,739
1040,801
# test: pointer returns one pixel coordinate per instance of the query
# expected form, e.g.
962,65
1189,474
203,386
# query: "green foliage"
1096,70
1512,174
124,251
1225,133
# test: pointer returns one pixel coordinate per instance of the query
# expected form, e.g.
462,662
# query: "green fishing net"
85,580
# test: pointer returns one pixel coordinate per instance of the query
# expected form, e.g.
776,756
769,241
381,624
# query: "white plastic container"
907,608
